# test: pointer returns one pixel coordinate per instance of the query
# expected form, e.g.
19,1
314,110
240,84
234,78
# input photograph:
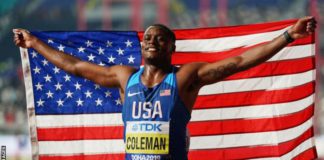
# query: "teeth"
151,49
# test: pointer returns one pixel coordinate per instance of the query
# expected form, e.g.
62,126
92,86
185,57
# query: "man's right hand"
23,38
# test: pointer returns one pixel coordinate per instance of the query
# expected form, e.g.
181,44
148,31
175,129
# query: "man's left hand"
303,27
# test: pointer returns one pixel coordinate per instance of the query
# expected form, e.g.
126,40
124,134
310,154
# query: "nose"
151,41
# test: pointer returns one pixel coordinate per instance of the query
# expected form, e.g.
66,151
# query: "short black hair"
167,30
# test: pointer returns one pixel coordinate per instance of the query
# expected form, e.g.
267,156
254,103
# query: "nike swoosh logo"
133,94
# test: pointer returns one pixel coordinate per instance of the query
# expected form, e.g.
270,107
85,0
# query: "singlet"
155,120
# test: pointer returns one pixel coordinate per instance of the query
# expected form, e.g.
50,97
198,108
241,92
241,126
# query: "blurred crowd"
52,15
12,99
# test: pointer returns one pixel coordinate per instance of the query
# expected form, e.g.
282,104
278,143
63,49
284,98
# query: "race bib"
147,137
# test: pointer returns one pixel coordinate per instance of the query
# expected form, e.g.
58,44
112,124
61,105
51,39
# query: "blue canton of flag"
58,92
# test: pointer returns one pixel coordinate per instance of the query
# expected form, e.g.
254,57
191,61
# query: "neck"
153,75
152,70
157,65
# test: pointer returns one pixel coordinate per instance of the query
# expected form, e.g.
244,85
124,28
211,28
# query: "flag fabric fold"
265,112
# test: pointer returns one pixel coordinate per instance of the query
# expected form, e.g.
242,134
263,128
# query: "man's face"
156,44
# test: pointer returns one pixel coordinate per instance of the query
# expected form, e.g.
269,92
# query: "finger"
310,32
20,36
17,31
17,42
310,29
20,31
313,21
307,19
16,39
311,25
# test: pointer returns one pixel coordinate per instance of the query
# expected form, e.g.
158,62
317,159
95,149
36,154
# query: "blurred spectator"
10,116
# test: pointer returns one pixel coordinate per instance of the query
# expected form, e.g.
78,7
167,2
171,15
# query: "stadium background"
129,15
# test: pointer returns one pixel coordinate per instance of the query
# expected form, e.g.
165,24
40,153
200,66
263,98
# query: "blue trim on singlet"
170,79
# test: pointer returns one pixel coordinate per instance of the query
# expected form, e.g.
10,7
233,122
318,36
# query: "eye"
161,38
146,38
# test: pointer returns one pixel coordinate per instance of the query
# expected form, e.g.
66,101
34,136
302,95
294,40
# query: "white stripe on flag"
249,139
254,111
81,146
264,83
48,121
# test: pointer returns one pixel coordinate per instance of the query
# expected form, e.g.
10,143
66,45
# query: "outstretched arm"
212,72
115,76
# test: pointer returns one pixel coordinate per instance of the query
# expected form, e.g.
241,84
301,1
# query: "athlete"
158,98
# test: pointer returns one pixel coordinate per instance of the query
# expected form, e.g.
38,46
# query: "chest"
149,104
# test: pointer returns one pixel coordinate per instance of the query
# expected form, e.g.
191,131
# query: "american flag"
265,112
165,92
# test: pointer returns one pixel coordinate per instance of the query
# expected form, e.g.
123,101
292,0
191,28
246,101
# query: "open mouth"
151,49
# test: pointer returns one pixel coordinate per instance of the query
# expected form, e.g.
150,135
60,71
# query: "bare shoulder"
123,72
114,76
120,69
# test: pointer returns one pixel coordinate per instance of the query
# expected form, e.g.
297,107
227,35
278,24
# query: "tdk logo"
147,127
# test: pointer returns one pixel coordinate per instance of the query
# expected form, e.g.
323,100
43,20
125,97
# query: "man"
158,99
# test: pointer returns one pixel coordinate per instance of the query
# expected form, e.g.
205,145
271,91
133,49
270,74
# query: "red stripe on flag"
255,97
116,156
250,125
77,133
215,32
277,68
251,151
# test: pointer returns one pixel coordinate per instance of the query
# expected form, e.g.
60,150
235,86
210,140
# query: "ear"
173,47
141,43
